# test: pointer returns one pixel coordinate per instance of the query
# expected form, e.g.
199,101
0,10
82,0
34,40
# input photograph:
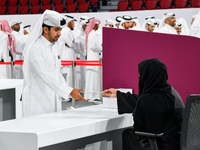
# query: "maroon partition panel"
124,49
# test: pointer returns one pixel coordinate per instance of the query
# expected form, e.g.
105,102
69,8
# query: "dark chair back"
190,136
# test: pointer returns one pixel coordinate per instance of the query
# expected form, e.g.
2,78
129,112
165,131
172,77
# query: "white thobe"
168,29
3,54
67,47
80,70
92,83
21,40
40,95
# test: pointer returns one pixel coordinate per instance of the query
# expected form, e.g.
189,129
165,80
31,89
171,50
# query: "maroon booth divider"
124,49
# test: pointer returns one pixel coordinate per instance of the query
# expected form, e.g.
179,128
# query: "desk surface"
10,83
67,125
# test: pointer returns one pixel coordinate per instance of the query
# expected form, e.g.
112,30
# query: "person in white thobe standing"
9,47
80,70
93,47
3,52
21,40
167,24
43,81
68,47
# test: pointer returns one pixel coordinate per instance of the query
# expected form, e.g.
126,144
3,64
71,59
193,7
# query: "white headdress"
137,27
166,15
151,20
195,28
125,18
50,18
185,28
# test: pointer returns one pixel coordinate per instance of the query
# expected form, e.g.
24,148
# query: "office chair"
190,134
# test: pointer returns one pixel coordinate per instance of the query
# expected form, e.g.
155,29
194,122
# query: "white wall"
180,13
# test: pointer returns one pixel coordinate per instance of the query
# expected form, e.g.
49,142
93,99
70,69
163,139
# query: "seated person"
157,109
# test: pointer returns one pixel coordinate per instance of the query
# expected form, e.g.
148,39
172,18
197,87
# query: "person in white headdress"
80,70
125,22
118,19
93,47
110,23
185,29
178,27
43,81
77,28
193,18
134,24
158,22
149,24
3,52
68,48
21,40
27,29
167,24
195,27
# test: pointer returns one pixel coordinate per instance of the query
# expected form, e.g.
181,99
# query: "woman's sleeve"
126,102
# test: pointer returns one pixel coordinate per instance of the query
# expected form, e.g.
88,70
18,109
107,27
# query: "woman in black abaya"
157,109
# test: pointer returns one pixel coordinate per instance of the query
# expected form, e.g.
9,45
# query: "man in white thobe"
167,24
110,23
21,40
125,22
193,18
3,52
178,28
9,47
117,21
68,48
27,29
94,47
149,24
80,70
195,27
43,81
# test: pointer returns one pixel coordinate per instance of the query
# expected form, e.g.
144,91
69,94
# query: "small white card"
109,102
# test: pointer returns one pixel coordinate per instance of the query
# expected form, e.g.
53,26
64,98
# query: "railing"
66,63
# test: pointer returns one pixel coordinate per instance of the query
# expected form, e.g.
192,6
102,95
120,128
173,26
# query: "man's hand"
76,95
110,92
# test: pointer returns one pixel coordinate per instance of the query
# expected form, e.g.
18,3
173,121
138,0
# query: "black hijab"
153,77
155,106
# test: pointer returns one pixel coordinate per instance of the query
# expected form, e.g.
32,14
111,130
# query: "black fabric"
131,141
126,102
154,110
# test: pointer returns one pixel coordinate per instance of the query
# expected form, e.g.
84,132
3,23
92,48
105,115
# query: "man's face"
171,21
178,30
110,25
16,27
84,27
132,24
192,21
71,24
150,28
117,25
126,25
54,33
96,27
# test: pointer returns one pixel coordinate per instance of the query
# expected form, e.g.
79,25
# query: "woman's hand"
110,92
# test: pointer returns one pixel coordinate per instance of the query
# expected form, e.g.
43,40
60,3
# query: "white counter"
39,131
10,94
